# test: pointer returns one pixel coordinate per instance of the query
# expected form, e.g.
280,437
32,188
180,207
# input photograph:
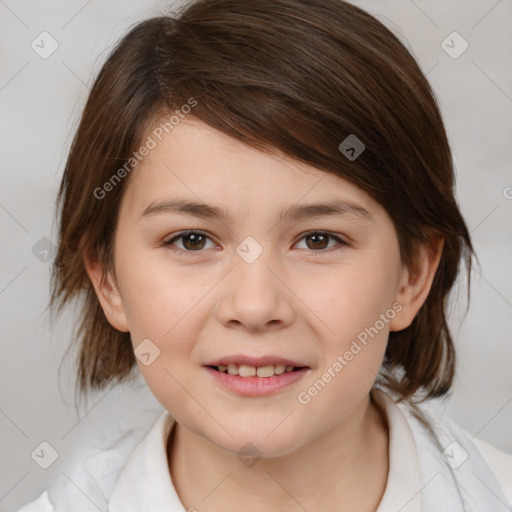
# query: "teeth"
245,370
265,371
279,369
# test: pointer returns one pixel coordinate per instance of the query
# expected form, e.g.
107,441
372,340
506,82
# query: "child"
299,342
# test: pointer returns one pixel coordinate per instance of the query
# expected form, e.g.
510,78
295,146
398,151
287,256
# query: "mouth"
256,377
266,371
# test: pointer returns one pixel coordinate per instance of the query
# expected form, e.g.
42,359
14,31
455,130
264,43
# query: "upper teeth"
244,370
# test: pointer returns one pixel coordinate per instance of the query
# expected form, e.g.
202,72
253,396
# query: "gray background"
40,100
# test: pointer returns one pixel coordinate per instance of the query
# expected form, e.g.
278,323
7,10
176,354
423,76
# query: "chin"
257,443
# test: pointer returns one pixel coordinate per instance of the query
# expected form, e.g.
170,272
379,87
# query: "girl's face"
317,286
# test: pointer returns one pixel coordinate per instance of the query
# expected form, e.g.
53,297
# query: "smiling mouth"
244,370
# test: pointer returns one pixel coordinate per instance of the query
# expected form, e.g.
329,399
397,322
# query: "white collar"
403,486
145,482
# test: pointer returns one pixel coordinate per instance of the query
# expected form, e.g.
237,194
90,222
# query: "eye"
193,241
319,239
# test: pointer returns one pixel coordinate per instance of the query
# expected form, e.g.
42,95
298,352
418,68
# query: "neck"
347,465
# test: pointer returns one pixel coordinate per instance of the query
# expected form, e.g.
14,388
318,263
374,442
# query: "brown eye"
192,241
318,241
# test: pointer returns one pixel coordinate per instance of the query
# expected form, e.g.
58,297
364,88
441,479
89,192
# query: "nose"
255,296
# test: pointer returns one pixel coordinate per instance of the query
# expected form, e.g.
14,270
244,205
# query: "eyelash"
169,242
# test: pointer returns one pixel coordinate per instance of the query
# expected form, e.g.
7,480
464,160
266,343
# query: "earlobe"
416,282
107,293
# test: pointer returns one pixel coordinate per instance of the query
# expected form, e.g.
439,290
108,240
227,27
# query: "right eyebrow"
192,208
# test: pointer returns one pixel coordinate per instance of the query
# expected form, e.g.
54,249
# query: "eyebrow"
295,212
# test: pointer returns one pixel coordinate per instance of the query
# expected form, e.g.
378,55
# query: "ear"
415,282
107,292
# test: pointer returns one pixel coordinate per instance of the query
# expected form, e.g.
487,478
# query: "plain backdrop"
40,101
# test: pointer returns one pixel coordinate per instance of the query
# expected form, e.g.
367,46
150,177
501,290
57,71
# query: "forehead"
197,163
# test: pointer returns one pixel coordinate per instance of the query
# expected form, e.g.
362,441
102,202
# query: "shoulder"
448,430
90,481
498,460
465,461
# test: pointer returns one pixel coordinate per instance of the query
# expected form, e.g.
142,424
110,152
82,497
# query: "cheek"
343,382
355,298
357,308
156,295
358,314
165,306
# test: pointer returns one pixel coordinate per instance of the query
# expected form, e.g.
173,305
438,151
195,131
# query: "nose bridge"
255,296
252,262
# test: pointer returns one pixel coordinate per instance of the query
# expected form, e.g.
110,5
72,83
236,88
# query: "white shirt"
139,480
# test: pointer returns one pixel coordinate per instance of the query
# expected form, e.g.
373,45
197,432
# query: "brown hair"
295,75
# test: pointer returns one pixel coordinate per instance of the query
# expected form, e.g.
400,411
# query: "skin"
302,298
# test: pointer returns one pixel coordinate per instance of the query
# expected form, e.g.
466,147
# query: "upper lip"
254,361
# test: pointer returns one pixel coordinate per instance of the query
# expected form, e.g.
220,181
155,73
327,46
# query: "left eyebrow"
332,208
294,212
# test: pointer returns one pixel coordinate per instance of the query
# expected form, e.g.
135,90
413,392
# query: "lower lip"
256,386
